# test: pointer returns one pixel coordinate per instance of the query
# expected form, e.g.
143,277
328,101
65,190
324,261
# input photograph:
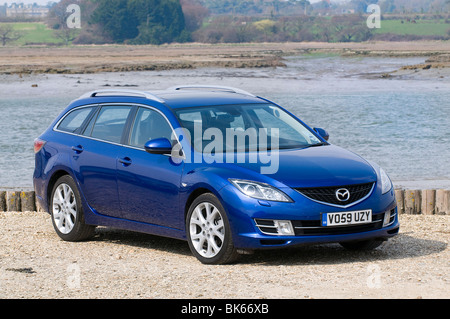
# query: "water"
400,123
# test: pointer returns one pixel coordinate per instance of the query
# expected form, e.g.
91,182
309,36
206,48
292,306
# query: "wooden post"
442,202
27,201
12,201
400,197
428,201
412,201
2,201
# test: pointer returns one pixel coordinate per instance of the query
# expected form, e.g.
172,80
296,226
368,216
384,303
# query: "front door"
149,184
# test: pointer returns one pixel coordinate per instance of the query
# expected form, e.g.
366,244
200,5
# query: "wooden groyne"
409,201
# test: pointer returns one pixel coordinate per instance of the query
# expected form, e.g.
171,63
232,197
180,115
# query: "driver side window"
149,125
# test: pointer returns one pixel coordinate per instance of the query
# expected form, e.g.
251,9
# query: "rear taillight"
38,145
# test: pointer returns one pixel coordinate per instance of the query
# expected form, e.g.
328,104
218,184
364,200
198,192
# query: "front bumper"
251,220
262,241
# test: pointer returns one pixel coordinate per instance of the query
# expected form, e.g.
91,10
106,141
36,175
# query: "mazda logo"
342,194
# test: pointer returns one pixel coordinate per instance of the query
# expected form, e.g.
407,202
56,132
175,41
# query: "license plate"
347,218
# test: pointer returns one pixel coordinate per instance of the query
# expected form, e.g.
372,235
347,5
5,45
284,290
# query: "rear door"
95,157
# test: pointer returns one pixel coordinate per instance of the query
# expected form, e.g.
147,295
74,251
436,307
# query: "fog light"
387,218
284,227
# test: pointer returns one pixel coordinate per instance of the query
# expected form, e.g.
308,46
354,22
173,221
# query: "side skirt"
96,219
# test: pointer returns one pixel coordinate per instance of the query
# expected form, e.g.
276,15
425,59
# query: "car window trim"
92,117
82,126
126,132
101,107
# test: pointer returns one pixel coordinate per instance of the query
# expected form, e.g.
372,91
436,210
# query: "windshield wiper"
315,145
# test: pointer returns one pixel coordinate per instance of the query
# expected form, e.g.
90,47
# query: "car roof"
193,99
182,96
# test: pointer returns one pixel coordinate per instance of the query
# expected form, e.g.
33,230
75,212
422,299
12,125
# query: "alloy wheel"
64,208
207,230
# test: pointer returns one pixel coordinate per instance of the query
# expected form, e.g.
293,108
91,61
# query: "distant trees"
125,21
194,14
117,22
8,34
343,28
141,21
361,5
158,21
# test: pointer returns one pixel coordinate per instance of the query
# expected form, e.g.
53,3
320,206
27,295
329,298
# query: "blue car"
225,170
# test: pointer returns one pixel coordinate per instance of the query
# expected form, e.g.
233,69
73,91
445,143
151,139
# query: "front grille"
328,194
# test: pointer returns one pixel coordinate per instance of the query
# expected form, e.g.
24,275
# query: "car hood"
321,166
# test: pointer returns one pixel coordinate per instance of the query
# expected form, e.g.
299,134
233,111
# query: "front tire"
208,231
67,211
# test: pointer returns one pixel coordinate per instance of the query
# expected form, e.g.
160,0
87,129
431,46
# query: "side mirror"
324,134
158,146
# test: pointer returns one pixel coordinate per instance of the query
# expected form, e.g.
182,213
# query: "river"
402,123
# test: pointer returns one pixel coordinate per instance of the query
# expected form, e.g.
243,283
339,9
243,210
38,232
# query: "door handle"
78,149
126,161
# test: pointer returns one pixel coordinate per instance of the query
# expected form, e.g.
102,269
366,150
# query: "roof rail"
211,87
143,94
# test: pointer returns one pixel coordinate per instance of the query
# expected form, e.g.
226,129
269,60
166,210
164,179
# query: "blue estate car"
227,171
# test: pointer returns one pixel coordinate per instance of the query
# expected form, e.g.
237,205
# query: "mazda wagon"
225,170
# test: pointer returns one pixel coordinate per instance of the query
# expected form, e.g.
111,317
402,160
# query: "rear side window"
110,123
74,120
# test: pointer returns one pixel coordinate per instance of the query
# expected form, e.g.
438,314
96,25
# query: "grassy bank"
437,28
34,33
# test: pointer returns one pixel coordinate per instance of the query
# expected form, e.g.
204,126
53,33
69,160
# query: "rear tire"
67,211
362,245
208,231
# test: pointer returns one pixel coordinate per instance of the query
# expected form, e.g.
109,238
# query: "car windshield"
246,127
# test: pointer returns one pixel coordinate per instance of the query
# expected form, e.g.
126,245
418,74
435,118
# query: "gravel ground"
35,263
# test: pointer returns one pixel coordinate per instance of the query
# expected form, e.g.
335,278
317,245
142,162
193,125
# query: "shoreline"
125,58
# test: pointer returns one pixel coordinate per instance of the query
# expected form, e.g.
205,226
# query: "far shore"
123,58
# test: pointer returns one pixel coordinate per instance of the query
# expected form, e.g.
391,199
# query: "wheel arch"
196,192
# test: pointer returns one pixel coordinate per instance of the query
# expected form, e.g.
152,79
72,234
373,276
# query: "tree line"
212,21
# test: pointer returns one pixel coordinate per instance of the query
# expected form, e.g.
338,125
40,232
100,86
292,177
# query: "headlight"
260,191
386,183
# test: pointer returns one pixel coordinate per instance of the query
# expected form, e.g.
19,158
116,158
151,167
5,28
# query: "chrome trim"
266,226
344,193
273,227
391,216
55,127
340,206
338,226
144,94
